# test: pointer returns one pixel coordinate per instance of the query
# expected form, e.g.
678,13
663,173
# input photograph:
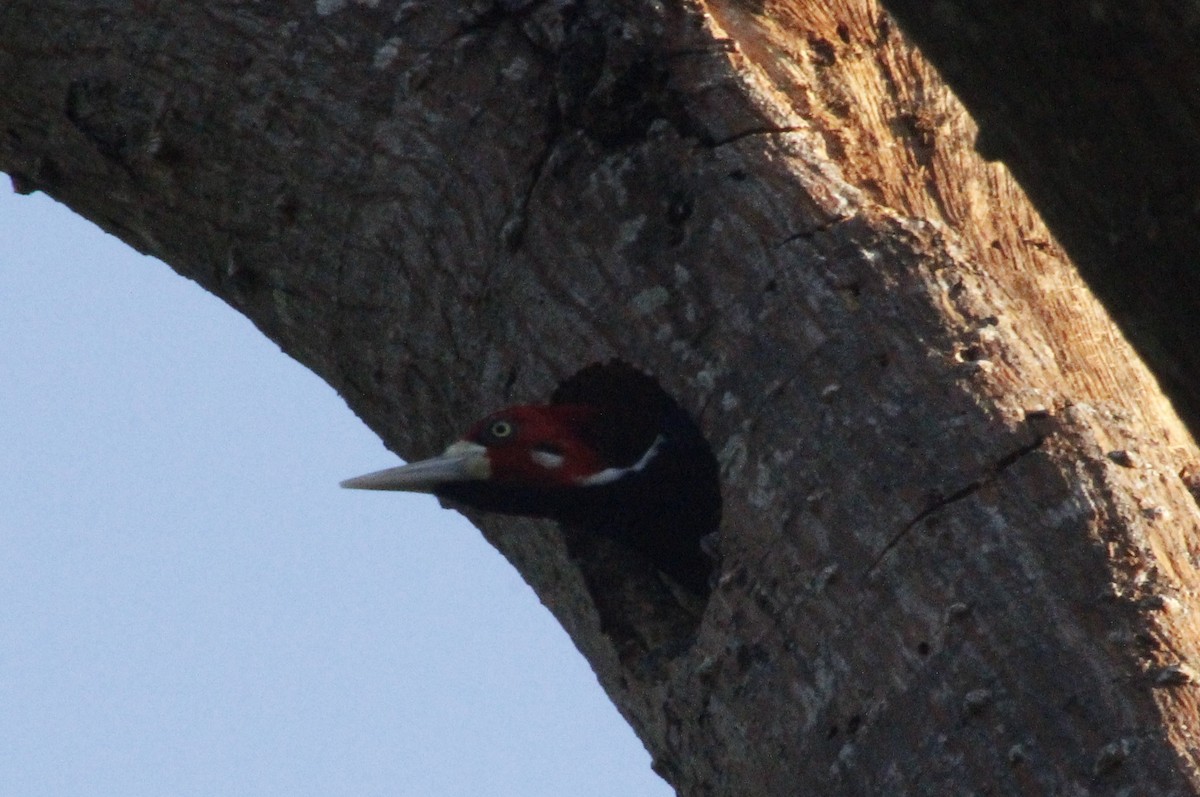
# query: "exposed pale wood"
1095,106
960,555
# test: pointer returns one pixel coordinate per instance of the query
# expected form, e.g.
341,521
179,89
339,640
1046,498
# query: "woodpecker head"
611,453
526,460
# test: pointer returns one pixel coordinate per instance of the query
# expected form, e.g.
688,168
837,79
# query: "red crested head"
539,445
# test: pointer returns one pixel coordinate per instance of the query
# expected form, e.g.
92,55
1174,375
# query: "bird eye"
500,429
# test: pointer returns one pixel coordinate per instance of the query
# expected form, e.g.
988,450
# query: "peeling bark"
940,574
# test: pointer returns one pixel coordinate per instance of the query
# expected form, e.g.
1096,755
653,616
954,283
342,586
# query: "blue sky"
189,605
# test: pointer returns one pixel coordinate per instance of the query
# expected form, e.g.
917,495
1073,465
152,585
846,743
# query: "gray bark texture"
960,549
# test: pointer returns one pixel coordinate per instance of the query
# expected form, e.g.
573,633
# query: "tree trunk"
957,549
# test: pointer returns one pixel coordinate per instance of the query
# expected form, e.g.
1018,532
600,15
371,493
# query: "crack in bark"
755,131
814,230
512,233
972,487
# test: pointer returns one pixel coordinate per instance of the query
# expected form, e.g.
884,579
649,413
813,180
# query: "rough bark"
959,544
1095,107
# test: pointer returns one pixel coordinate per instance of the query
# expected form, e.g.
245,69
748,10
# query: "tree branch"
348,176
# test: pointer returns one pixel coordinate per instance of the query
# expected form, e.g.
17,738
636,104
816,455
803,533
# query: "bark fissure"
814,231
993,472
742,135
513,231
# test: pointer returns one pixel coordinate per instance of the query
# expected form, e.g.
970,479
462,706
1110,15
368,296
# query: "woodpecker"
611,454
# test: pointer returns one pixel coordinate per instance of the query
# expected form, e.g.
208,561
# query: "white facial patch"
473,460
610,475
547,459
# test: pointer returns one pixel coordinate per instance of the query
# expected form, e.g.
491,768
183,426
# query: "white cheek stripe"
610,475
546,459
